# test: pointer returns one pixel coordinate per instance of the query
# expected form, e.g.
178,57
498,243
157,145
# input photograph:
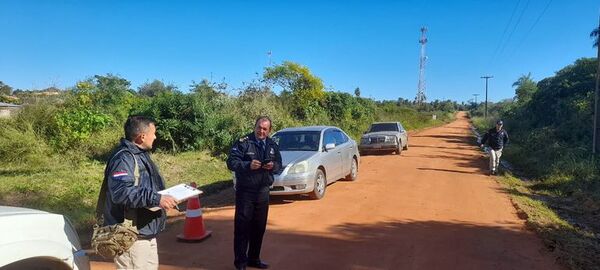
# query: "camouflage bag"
113,240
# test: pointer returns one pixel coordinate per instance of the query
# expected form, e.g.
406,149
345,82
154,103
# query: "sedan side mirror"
329,146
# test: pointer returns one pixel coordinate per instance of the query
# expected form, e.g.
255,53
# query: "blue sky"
368,44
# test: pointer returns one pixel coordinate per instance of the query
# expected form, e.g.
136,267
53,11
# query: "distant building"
7,109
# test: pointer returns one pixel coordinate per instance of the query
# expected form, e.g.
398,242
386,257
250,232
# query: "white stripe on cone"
193,213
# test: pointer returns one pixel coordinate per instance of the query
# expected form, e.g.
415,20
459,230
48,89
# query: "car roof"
307,128
385,123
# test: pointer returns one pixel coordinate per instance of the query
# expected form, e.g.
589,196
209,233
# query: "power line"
515,27
531,29
505,29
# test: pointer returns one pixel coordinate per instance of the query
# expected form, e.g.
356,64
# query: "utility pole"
421,87
269,55
475,97
486,93
596,139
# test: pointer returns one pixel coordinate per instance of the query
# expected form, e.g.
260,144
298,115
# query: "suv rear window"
383,127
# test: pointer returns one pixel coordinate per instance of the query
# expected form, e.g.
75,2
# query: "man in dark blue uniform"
123,198
254,159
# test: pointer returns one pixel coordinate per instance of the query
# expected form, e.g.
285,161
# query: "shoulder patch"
119,174
243,139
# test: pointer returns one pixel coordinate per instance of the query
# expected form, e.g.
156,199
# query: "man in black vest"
496,139
123,195
254,159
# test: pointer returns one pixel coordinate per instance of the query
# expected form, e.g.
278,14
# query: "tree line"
87,118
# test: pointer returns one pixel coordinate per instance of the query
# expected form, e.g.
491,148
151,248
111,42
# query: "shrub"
19,143
75,125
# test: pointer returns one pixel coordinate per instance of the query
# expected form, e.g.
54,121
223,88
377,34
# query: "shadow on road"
379,153
445,170
443,147
386,245
449,157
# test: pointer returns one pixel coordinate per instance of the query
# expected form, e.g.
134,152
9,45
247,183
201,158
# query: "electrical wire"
531,29
512,15
515,27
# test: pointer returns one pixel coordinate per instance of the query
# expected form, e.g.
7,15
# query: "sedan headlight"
300,167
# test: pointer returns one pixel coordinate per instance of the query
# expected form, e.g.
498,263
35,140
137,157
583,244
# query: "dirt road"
433,207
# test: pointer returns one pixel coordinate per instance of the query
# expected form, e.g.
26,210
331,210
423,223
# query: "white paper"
180,192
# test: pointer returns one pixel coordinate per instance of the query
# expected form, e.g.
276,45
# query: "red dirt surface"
433,207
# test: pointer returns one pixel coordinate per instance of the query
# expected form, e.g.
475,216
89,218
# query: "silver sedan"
314,157
384,137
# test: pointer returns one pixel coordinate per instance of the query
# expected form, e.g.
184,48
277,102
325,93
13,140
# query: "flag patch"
119,174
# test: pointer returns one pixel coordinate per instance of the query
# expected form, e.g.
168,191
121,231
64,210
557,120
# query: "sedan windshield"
298,140
384,127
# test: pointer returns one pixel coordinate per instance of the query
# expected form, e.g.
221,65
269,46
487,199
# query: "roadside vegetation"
53,151
550,125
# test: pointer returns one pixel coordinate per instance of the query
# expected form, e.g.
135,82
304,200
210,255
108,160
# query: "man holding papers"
133,182
254,159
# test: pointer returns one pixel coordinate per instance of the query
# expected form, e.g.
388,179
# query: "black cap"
499,122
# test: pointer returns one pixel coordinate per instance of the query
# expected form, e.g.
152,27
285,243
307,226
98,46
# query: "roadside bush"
352,114
191,121
20,144
101,143
89,108
76,125
40,115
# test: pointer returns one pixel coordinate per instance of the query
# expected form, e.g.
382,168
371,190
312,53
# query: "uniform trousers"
251,211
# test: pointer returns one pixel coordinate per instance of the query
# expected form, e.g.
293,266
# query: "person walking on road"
128,197
255,158
496,139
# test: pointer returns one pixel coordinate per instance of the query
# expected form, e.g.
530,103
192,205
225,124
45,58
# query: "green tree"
112,94
155,87
207,89
306,89
5,89
525,89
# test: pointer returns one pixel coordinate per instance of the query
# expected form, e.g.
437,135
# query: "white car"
313,157
34,239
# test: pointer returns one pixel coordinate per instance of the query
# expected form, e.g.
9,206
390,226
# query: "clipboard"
180,192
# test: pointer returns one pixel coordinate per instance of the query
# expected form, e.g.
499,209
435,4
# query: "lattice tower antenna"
421,87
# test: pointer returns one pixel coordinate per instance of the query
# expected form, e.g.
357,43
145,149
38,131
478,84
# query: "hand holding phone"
255,164
267,165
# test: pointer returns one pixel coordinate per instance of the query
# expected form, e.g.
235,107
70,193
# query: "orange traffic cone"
194,229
